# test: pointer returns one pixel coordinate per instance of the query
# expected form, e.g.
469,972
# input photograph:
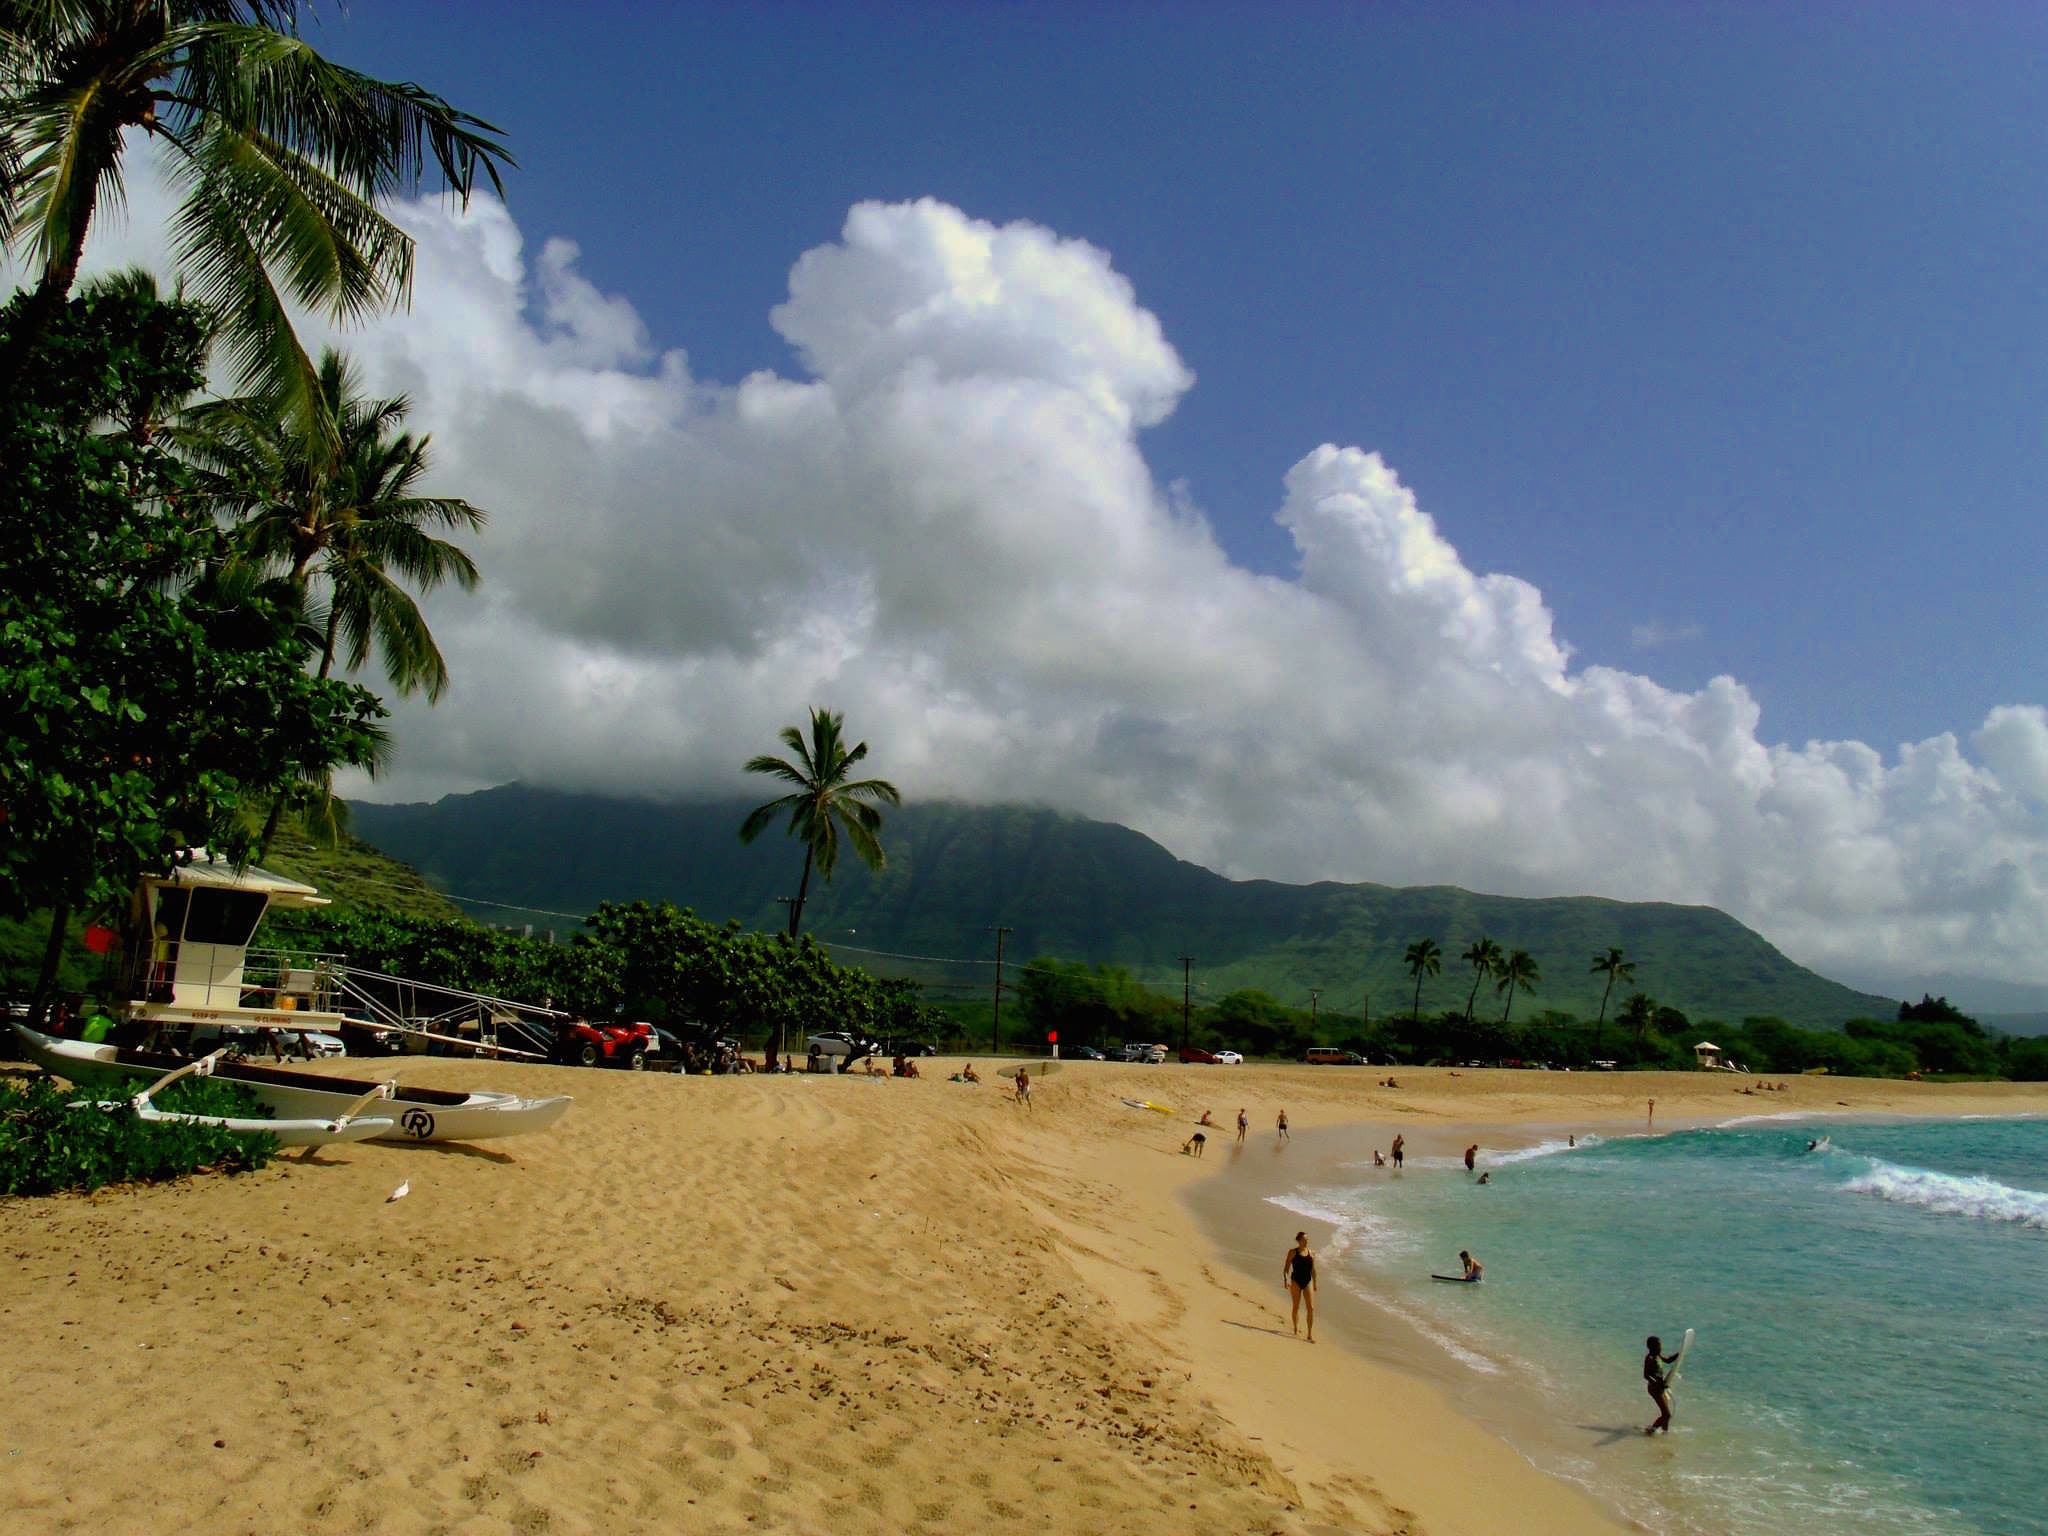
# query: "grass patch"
47,1145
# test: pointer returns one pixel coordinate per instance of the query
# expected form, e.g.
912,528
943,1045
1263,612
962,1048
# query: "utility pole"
1187,971
1315,996
796,906
995,1032
1366,1017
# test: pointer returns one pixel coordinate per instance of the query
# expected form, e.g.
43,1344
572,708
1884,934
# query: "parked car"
580,1043
1194,1053
1605,1066
1081,1053
1330,1056
1229,1059
841,1044
893,1047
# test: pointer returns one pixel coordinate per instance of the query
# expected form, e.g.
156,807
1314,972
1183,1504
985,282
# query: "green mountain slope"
1083,890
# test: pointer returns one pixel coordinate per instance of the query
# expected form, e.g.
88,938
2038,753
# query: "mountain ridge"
1080,889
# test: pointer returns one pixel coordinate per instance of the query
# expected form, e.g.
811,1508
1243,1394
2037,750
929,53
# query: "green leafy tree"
1484,956
1517,971
281,157
824,804
1639,1013
1423,958
152,701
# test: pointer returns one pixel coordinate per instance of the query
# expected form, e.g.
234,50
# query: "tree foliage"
825,802
154,695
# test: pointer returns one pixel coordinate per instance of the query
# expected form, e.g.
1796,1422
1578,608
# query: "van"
1330,1056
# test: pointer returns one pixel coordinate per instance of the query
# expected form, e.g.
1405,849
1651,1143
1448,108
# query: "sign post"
1052,1038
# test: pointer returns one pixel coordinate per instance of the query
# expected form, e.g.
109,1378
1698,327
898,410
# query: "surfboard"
1157,1109
1457,1279
1684,1344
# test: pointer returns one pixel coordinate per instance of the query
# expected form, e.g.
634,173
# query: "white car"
1228,1059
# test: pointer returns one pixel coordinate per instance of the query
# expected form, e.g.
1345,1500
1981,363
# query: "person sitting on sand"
1195,1145
1660,1387
1474,1270
1208,1117
969,1075
1392,1084
1298,1269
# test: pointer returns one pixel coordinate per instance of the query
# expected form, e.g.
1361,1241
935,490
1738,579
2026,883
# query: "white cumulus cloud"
945,526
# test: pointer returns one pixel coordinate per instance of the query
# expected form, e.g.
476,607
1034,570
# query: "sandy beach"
791,1304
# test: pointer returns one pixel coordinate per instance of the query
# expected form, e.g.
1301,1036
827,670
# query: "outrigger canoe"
309,1098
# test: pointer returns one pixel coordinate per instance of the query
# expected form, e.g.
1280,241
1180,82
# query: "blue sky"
1722,325
1548,450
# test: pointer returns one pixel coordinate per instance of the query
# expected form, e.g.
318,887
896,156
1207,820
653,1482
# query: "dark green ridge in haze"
1084,890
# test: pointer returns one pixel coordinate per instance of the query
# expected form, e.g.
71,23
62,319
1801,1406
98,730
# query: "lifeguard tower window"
224,917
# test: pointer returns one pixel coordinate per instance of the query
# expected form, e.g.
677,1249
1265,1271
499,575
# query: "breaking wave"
1953,1194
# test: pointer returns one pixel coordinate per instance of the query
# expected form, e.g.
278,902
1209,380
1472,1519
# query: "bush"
46,1145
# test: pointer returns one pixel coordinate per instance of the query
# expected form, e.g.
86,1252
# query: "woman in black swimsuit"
1298,1269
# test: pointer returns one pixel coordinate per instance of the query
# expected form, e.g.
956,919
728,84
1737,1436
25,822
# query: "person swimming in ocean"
1474,1270
1486,1178
1298,1269
1658,1382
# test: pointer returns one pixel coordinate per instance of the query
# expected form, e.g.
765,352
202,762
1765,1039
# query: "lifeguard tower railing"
228,977
493,1026
327,991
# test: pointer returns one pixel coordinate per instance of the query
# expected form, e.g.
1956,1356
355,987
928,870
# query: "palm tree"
356,523
824,803
1640,1011
1484,956
353,522
1422,959
1518,970
281,156
1616,969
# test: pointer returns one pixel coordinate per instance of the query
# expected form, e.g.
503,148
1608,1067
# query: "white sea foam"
1953,1194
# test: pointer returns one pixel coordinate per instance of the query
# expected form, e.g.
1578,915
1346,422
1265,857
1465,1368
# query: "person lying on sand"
1195,1145
1298,1269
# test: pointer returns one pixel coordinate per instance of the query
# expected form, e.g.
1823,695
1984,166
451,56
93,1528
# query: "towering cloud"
946,527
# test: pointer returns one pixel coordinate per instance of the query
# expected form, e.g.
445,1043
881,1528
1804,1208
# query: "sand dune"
744,1304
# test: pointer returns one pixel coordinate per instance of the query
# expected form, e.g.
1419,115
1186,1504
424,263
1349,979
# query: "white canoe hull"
410,1114
289,1133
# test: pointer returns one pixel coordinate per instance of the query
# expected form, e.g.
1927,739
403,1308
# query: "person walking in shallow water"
1243,1123
1281,1126
1298,1269
1658,1383
1471,1153
1399,1143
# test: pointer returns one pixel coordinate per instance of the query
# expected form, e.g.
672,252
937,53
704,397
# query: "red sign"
1052,1037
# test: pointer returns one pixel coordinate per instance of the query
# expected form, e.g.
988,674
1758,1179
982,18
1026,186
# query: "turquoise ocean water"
1872,1352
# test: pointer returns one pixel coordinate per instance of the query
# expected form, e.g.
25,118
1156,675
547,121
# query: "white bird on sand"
399,1193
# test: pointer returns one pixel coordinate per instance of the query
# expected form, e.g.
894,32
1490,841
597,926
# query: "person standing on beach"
1024,1087
1282,1126
1658,1383
1243,1122
1298,1269
1653,1114
1399,1143
1471,1155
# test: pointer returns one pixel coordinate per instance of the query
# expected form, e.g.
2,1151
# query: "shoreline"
1230,1200
745,1303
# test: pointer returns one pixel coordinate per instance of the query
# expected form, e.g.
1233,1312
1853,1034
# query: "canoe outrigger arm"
383,1092
203,1067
